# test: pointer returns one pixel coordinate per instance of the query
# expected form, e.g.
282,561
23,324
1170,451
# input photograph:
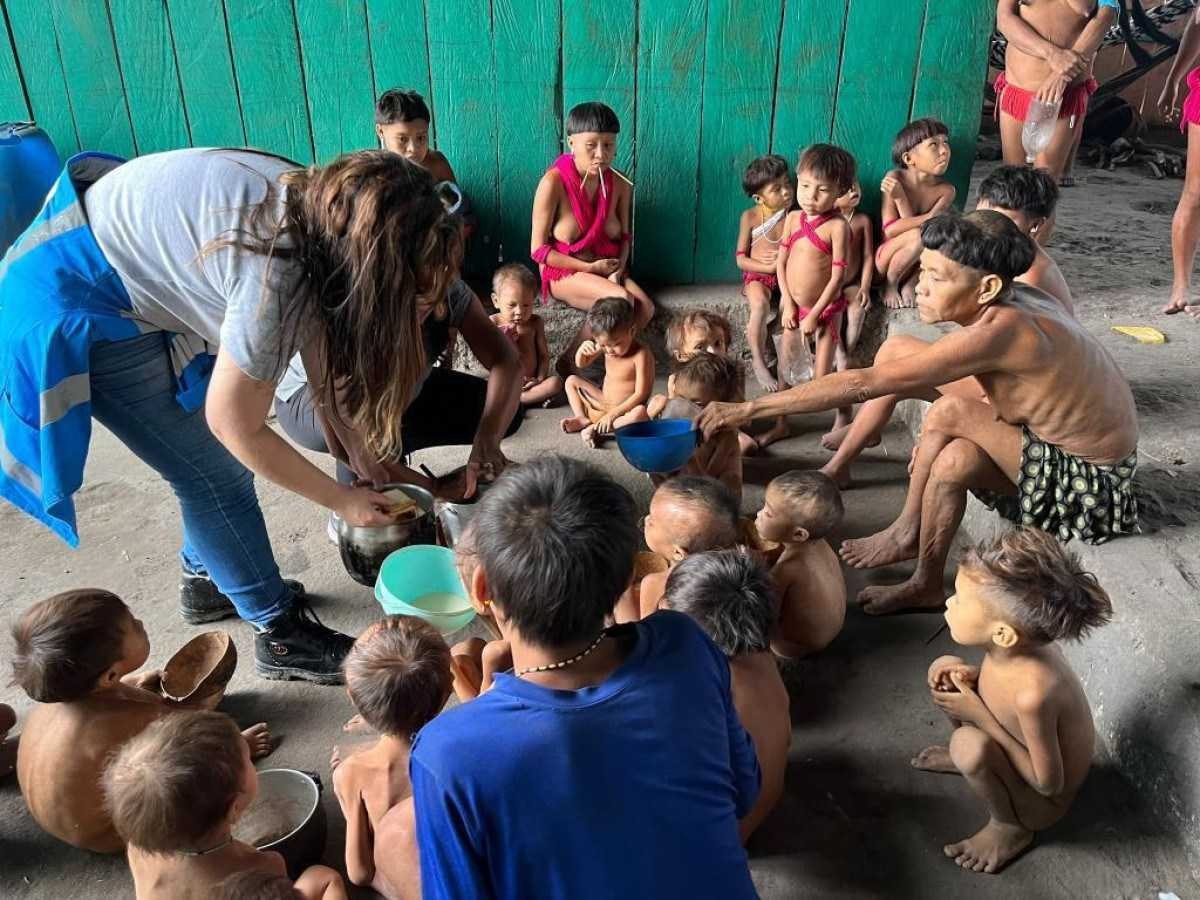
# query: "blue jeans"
224,535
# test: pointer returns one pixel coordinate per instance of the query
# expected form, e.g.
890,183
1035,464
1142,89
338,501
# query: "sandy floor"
856,820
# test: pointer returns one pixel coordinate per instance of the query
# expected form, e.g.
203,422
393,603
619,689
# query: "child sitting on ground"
402,125
812,268
913,193
800,509
1023,732
476,661
175,792
398,677
628,374
730,595
315,882
514,290
688,514
768,182
1028,197
704,379
73,654
860,268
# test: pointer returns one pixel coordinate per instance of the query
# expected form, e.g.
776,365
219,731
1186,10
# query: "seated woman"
581,213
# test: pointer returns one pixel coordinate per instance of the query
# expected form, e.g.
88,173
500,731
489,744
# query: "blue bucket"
660,446
423,581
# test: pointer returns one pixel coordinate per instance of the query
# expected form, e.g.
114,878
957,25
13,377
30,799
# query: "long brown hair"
369,241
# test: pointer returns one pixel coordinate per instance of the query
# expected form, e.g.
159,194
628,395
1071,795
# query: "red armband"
739,253
541,254
888,224
839,264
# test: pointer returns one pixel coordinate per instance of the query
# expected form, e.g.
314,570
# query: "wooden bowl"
202,666
749,536
647,563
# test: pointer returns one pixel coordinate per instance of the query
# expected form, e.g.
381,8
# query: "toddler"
688,514
314,883
398,677
514,290
768,183
175,792
475,661
628,374
913,193
812,268
704,379
800,509
1023,732
730,595
1028,197
74,654
860,267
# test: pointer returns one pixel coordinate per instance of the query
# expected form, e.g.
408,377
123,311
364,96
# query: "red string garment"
590,213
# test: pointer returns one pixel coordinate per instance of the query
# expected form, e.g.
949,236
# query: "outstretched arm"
968,351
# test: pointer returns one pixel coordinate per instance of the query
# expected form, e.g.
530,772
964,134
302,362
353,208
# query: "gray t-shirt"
153,216
435,334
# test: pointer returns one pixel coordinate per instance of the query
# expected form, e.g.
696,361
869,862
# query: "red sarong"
1191,106
1015,101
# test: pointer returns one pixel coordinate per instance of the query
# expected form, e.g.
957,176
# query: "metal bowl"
363,548
287,817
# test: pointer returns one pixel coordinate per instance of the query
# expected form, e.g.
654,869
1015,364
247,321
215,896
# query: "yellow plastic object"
1143,334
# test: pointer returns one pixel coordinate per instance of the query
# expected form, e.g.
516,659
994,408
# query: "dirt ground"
856,820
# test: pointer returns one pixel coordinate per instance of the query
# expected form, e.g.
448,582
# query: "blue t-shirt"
631,788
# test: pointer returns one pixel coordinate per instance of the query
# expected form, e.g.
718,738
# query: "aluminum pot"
363,548
287,817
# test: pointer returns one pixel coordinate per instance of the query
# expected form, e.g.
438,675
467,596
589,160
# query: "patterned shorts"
1067,497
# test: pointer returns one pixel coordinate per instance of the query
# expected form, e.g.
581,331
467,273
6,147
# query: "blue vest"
58,296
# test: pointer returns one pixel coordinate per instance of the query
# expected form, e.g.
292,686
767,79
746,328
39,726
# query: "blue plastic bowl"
423,581
660,446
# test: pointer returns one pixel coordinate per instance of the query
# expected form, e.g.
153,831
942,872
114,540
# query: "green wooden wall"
701,86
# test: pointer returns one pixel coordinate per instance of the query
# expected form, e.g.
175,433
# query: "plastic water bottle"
796,366
1039,128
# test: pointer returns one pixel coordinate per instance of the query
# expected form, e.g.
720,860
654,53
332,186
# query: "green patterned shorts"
1067,497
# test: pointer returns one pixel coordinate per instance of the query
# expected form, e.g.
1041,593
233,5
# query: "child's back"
730,596
398,676
194,877
813,597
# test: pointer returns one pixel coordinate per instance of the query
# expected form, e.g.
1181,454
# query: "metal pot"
287,817
453,515
363,548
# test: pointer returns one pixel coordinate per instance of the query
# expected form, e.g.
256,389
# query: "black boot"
200,601
296,645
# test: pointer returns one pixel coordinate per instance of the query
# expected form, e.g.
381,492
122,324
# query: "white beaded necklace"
562,664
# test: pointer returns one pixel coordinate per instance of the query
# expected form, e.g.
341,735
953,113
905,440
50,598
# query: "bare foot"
991,848
908,294
258,737
891,296
1177,304
778,432
574,424
765,379
590,438
881,599
841,477
934,759
894,544
356,724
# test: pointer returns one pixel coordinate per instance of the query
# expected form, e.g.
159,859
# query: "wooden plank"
599,61
950,77
266,61
525,60
670,68
13,107
399,52
93,78
205,65
144,48
32,24
739,83
809,58
875,88
464,96
337,72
